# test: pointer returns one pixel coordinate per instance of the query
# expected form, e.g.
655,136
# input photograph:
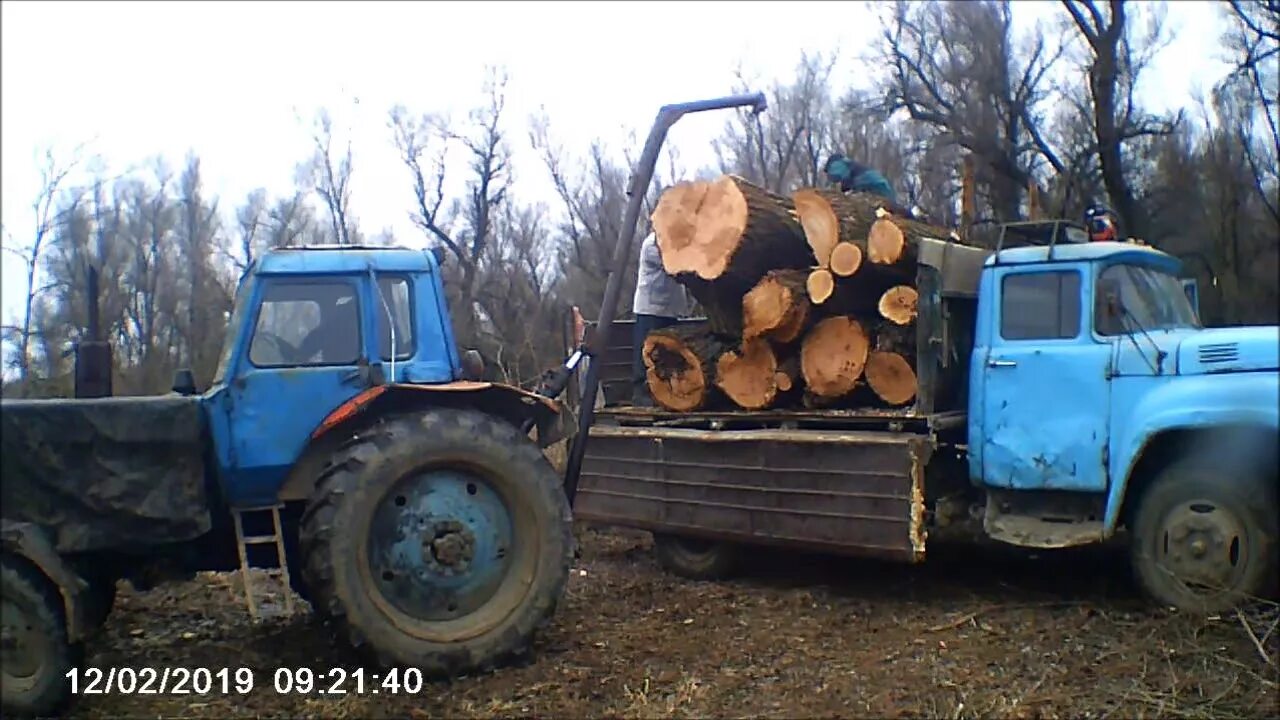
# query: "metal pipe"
639,183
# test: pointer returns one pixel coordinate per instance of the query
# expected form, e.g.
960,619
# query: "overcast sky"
227,79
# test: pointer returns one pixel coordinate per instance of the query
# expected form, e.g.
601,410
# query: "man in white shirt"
659,302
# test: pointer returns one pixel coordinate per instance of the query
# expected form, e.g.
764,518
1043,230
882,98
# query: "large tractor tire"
439,540
34,653
1203,542
696,558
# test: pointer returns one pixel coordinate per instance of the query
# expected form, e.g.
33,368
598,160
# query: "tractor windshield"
234,322
1154,299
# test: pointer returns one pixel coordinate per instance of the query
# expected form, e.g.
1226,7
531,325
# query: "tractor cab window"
307,323
397,293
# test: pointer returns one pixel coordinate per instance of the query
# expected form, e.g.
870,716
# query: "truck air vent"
1219,353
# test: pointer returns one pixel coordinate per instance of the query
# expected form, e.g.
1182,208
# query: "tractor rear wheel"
441,540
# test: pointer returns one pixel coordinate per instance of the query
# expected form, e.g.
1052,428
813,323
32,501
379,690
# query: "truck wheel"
1203,543
696,558
442,540
34,653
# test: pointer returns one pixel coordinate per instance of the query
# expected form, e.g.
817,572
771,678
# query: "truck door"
299,363
1046,392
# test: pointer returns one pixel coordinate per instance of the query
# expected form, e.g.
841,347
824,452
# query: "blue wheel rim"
440,544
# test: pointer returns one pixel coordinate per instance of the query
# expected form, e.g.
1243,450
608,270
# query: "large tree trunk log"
832,356
846,259
680,367
749,375
732,229
890,370
777,307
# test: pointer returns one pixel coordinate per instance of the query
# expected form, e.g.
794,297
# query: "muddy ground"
973,632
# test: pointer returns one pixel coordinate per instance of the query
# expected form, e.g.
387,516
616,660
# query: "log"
890,370
820,285
898,304
732,229
893,240
777,307
828,217
832,356
680,367
846,259
787,378
748,375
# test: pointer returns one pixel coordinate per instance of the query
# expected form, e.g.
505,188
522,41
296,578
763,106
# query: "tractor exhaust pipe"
93,354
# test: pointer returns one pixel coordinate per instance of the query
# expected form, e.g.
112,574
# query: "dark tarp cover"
109,473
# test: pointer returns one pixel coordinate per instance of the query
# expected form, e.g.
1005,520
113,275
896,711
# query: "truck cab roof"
321,259
1093,251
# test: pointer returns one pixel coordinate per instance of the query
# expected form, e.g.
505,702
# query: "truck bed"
847,492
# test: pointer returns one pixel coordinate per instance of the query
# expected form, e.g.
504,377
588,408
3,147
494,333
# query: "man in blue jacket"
856,177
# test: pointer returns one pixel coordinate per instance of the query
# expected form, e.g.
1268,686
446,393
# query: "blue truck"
1068,393
344,433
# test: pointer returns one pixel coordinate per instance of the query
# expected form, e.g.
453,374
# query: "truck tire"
440,540
1203,542
36,654
695,558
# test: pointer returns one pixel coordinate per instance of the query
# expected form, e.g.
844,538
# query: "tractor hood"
1233,349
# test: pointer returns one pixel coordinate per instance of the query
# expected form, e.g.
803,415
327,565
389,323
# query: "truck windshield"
1153,298
235,321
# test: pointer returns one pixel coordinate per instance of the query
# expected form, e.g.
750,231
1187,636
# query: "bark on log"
890,370
898,304
748,375
777,307
846,259
832,356
680,367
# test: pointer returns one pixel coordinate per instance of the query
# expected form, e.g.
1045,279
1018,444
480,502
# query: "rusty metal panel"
844,492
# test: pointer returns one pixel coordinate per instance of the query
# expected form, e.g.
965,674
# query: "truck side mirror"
184,382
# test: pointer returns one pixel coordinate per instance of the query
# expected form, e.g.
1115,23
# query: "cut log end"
820,284
886,242
819,222
675,373
776,307
846,258
749,376
833,355
890,377
898,304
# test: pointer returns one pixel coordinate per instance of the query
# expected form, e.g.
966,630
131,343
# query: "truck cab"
1098,401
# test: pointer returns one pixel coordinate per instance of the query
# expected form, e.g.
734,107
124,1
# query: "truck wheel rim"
1204,546
440,544
22,649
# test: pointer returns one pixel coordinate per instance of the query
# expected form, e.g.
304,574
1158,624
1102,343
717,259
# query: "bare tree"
329,173
53,178
1119,51
956,67
1254,38
464,225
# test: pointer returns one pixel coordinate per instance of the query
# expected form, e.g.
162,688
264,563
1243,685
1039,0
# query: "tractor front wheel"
34,653
441,540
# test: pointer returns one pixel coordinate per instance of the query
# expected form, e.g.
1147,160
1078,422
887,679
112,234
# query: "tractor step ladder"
280,572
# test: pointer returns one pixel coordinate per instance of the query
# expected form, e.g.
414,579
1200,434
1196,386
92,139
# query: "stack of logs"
810,300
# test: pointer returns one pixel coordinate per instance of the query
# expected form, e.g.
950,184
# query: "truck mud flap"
840,492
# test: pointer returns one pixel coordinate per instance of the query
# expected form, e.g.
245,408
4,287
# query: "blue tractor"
403,497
